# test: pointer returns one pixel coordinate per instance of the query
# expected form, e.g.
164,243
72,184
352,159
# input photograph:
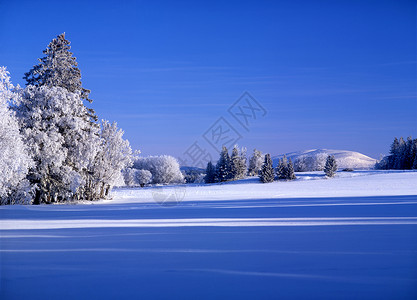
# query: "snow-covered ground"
344,158
350,237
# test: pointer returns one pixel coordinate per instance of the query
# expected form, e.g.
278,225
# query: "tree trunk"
102,191
37,199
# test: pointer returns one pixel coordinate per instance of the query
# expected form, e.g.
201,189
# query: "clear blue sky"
330,74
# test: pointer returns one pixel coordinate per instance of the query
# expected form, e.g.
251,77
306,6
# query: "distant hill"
344,158
187,169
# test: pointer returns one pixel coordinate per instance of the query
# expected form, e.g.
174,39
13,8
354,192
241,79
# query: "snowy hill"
344,158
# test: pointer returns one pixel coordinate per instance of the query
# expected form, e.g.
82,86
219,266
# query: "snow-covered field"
350,237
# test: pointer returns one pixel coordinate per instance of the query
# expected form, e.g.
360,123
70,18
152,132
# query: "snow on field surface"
308,185
351,237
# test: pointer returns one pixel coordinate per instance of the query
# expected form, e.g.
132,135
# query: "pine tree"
210,173
255,163
223,166
331,166
290,171
58,68
408,154
282,168
401,154
267,171
243,169
414,153
237,163
395,146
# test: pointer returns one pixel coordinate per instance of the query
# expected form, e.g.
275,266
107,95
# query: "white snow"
344,158
307,185
353,236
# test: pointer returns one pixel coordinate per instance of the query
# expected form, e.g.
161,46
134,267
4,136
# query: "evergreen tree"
267,171
395,146
414,153
58,68
223,166
408,154
210,173
282,168
255,163
330,167
290,171
237,163
243,170
401,153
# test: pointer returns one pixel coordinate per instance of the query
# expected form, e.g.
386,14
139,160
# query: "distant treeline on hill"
403,155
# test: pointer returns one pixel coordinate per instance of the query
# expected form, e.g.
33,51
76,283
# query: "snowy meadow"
313,238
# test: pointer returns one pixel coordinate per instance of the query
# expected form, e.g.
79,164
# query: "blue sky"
330,74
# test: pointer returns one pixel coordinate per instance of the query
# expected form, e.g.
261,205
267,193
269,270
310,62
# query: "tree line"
234,167
403,155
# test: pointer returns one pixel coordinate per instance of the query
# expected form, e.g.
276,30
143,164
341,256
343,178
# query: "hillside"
344,158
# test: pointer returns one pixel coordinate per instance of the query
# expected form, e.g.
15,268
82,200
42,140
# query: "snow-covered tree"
267,171
290,175
60,141
14,158
164,169
143,177
402,155
114,155
281,169
59,68
210,173
238,163
255,163
285,169
129,176
331,166
307,163
223,166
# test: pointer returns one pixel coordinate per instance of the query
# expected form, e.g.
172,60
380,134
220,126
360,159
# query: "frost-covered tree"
281,169
129,176
114,155
307,163
164,169
223,166
60,141
238,163
255,163
408,154
285,169
290,171
331,166
59,68
14,158
267,171
402,155
210,173
143,177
